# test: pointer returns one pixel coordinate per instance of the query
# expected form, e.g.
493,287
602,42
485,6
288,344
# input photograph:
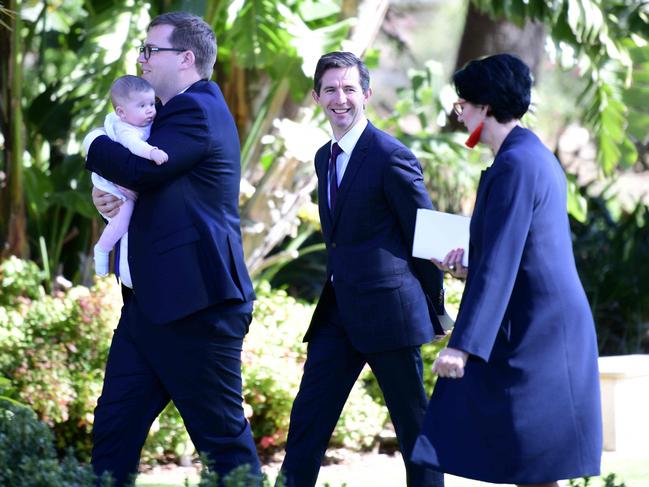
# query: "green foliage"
67,65
54,350
239,477
167,438
361,420
418,119
69,55
609,249
272,363
20,280
58,204
602,34
28,457
609,481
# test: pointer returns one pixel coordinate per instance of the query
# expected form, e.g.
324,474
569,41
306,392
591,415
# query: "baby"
133,99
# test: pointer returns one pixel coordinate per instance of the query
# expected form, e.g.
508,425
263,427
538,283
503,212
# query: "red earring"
474,138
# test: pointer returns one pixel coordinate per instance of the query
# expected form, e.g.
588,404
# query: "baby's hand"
159,156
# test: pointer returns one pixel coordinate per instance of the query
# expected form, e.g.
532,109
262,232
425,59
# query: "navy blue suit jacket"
185,251
385,298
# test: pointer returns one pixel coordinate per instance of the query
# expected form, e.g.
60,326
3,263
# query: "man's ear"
366,96
188,59
315,96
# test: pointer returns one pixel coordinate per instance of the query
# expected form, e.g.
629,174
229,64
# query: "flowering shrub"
272,361
53,349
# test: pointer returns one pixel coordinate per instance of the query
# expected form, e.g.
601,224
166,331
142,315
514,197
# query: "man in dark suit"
188,304
378,304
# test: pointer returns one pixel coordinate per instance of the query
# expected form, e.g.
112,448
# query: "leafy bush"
361,420
272,360
28,457
20,280
167,439
53,348
610,249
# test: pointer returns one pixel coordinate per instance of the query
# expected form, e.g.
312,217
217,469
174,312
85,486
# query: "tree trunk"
484,36
13,229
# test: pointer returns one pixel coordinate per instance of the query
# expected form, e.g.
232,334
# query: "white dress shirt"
347,144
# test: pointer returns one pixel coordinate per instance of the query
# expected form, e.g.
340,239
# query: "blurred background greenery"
590,61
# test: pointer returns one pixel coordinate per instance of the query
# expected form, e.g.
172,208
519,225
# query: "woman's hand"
452,263
106,203
450,363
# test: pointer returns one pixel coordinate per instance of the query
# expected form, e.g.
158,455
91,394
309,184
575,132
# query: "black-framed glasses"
146,50
458,107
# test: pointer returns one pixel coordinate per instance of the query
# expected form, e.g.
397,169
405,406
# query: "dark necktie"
333,176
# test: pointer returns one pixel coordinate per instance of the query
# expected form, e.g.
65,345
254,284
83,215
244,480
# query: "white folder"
437,233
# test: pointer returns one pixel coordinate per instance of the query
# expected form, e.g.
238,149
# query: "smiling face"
138,109
342,98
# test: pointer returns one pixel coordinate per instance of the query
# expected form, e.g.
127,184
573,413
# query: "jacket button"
333,245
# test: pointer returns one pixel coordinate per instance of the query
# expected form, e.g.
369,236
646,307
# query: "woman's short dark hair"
501,81
340,59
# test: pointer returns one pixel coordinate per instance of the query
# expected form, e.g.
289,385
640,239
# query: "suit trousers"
196,363
331,369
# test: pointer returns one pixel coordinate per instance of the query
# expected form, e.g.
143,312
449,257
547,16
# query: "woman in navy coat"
517,400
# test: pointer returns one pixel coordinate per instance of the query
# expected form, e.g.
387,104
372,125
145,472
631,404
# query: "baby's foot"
101,261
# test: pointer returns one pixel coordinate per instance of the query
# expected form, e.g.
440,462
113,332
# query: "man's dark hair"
501,81
340,59
191,33
124,86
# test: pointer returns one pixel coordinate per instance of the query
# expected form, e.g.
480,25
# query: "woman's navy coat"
528,407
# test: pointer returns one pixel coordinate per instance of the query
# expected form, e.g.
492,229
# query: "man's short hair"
191,33
124,86
340,59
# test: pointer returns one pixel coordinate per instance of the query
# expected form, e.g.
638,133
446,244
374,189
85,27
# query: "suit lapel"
359,156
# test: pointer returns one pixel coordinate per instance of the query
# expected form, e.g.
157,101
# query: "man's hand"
450,363
159,156
106,203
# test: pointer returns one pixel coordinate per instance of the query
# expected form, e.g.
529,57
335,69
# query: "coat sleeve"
506,218
406,193
182,132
